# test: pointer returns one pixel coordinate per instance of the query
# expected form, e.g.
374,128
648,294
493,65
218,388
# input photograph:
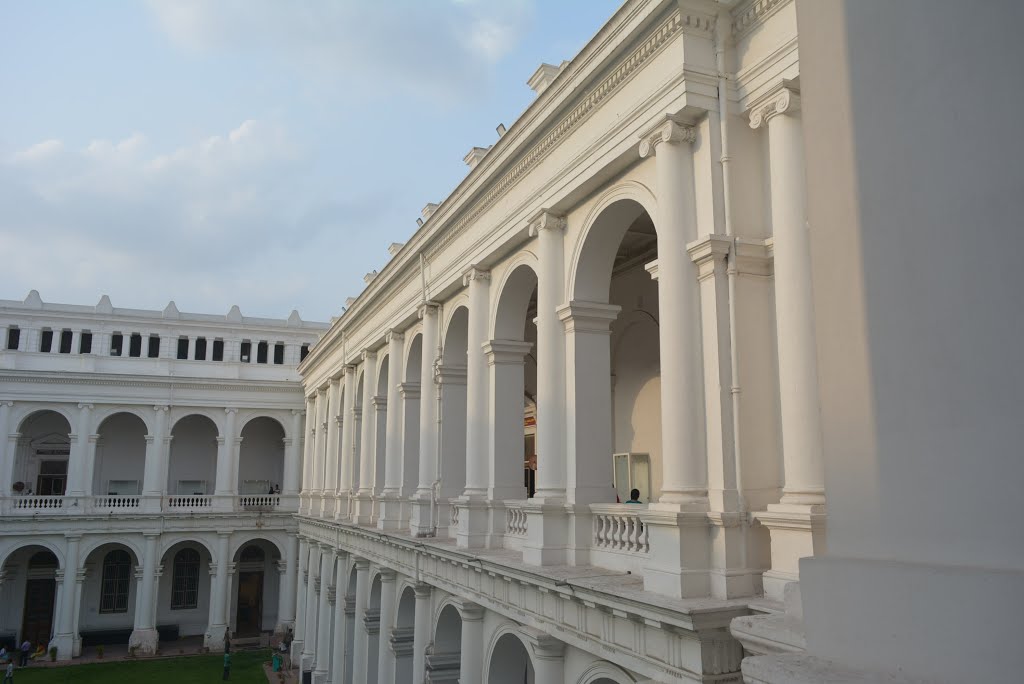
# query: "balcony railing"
259,502
36,502
116,502
32,504
515,524
190,501
621,541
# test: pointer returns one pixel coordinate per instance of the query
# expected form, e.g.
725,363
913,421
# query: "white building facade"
150,472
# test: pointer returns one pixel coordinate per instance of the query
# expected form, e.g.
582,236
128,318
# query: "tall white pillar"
361,641
227,453
797,522
347,454
471,665
680,560
548,658
154,474
144,636
286,590
390,496
322,657
301,580
477,424
293,456
421,633
333,419
385,656
367,448
341,591
78,459
420,523
7,451
307,454
66,629
312,609
218,622
319,450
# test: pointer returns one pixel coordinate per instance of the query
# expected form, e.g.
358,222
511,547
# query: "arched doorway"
615,374
31,594
261,457
42,462
516,468
350,624
192,466
451,378
510,662
402,637
256,588
120,456
380,430
444,656
410,393
373,629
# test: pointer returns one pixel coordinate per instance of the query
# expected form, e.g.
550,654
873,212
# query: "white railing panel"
620,539
190,501
116,502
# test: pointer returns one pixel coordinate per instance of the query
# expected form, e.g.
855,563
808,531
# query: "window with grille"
117,572
185,580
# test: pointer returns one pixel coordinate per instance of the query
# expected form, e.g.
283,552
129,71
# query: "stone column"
471,665
361,642
79,456
227,453
218,623
421,634
7,449
312,606
390,496
347,449
319,451
293,456
420,523
301,581
333,419
385,656
144,636
548,658
287,590
797,522
322,657
341,591
477,424
367,447
677,525
307,455
154,476
66,629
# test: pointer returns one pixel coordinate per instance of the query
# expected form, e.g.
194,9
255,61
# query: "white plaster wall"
261,454
120,453
193,453
90,617
191,621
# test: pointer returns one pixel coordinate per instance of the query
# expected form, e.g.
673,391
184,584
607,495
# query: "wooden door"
249,618
38,616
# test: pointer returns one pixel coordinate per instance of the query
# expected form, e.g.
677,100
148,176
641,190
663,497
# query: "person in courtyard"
227,665
26,647
9,673
634,496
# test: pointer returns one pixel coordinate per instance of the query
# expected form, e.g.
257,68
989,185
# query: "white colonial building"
149,473
756,260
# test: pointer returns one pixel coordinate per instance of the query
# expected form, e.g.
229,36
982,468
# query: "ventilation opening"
261,352
116,342
218,350
246,352
135,345
85,344
13,338
200,349
154,346
303,351
279,353
65,341
183,348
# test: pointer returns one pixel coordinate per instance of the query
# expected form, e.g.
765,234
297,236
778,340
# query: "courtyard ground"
246,668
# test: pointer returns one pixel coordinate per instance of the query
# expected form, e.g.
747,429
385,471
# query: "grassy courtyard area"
246,667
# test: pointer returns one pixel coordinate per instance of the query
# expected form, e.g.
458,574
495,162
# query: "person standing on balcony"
634,497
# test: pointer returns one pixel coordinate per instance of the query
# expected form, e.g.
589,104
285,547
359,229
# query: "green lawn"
200,669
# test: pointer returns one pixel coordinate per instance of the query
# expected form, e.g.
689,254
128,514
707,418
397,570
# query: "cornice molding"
753,13
146,381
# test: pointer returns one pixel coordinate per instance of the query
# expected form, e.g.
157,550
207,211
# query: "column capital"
545,219
388,575
72,536
231,409
475,273
580,316
151,535
500,352
422,590
361,564
321,390
471,612
446,374
380,402
668,129
6,402
409,390
784,98
93,439
394,335
161,408
298,412
427,308
368,355
85,407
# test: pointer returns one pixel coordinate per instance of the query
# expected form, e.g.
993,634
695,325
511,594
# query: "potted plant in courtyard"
53,654
99,651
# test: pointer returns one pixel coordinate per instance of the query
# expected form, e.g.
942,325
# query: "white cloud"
442,48
39,152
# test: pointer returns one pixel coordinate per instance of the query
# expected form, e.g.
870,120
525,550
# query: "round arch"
513,297
508,644
451,308
260,415
241,542
168,542
446,629
595,240
105,414
383,375
42,544
19,418
177,418
603,672
93,543
413,358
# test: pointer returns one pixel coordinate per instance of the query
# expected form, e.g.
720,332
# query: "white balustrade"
515,519
455,516
190,501
259,501
37,501
621,541
118,502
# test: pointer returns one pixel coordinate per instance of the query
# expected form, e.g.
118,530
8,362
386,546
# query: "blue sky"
258,152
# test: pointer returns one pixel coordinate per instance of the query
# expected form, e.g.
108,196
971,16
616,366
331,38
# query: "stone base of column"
307,661
65,645
151,503
680,559
76,646
223,502
342,507
327,506
731,576
547,537
281,628
295,653
145,641
797,531
581,535
362,511
420,524
321,676
472,523
392,508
